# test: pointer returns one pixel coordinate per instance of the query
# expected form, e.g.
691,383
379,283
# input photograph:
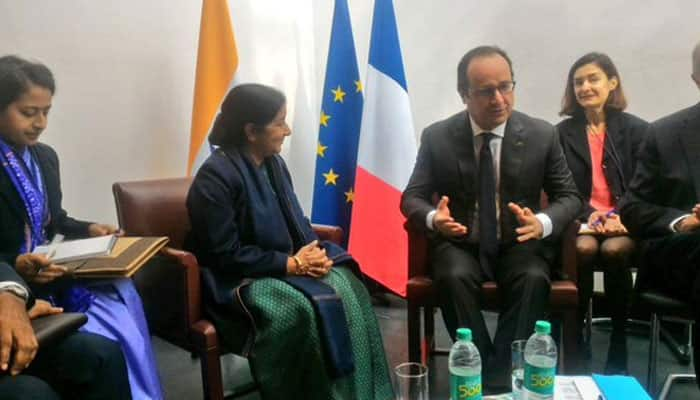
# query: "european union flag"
339,130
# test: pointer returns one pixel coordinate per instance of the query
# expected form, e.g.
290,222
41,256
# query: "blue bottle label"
539,380
465,387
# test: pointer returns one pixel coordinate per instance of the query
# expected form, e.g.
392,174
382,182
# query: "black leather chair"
661,305
49,329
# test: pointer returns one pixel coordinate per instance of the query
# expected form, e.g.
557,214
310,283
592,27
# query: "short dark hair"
16,74
245,104
481,51
616,99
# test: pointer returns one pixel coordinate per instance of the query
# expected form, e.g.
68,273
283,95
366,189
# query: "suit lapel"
614,142
512,152
50,180
464,151
12,198
690,143
613,133
579,141
49,176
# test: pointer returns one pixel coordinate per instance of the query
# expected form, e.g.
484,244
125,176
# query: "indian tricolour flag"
217,61
385,160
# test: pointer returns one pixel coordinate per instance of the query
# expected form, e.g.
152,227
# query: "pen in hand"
607,215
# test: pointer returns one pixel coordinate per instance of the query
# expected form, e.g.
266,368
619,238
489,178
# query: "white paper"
80,249
575,388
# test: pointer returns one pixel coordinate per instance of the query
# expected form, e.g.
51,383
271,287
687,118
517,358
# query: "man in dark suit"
662,206
82,365
489,165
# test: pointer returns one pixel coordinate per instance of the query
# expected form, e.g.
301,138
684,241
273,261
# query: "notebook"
128,256
585,229
74,250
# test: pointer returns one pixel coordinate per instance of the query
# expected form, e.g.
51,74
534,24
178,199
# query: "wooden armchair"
420,294
169,284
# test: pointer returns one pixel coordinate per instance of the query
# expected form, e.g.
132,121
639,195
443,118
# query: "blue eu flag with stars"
339,129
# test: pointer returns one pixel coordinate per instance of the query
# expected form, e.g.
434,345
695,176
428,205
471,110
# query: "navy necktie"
488,223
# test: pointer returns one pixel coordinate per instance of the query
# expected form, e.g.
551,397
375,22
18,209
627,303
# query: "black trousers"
82,366
672,264
523,277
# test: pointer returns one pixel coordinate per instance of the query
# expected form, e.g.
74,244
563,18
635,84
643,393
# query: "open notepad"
81,249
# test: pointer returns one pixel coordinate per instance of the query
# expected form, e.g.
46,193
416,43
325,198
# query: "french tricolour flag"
385,159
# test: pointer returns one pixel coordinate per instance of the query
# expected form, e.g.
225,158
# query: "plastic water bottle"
540,363
465,368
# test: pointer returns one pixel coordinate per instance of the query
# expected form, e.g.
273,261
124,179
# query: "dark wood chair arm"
190,269
417,251
331,233
568,252
204,336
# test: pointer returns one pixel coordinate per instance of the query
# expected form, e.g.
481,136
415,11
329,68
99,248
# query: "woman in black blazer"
600,143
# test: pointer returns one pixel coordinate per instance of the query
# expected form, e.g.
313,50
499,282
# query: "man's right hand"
16,334
690,223
696,211
444,223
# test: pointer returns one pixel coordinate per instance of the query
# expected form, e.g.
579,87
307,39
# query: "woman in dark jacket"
314,332
600,143
31,214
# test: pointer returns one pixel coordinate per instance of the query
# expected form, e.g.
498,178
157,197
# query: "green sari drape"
287,358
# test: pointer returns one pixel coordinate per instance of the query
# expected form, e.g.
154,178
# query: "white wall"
125,69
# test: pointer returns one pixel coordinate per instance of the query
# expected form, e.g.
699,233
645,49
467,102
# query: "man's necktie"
488,223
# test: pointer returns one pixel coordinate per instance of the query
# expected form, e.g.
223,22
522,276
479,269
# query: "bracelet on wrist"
301,269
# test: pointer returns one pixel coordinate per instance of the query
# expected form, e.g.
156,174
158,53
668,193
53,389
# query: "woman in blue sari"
31,214
313,332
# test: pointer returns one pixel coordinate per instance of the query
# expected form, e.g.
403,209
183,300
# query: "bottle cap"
464,334
543,327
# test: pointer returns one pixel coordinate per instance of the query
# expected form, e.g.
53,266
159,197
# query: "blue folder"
620,387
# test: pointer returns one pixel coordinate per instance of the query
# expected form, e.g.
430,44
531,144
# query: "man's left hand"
530,226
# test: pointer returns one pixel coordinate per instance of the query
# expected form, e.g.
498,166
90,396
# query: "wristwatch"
15,289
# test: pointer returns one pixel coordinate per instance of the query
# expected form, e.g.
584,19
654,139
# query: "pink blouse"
601,197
